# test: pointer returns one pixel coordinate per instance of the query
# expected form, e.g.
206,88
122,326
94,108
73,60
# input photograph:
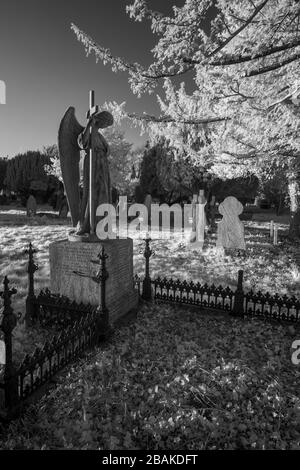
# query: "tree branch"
272,67
247,58
237,31
286,98
168,119
241,156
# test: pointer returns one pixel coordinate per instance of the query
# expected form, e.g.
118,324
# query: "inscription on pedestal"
66,258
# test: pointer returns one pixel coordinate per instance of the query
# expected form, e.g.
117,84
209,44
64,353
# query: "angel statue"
72,138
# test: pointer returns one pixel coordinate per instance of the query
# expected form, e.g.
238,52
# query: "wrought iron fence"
54,310
138,284
84,326
188,292
272,306
237,302
58,311
37,369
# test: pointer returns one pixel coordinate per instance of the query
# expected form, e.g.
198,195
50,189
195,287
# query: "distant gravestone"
31,206
194,223
257,201
230,228
199,220
2,352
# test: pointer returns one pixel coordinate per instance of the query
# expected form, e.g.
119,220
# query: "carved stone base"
67,258
73,236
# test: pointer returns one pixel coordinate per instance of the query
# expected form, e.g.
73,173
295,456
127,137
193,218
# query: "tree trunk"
294,194
279,206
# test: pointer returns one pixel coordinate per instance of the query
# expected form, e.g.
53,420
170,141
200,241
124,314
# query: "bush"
3,167
3,200
26,175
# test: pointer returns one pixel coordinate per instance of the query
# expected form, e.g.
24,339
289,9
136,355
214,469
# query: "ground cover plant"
174,379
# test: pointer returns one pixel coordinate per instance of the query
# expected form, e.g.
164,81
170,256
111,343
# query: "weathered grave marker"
2,352
70,257
275,239
201,219
271,228
230,228
194,222
31,206
198,220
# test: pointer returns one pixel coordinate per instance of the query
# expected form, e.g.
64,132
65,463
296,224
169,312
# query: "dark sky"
46,70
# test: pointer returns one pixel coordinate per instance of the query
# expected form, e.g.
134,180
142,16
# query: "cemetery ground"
175,378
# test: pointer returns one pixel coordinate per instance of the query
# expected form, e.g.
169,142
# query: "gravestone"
2,352
74,263
271,228
199,220
257,201
31,206
194,222
67,259
230,229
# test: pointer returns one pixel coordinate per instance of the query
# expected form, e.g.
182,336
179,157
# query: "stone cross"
90,114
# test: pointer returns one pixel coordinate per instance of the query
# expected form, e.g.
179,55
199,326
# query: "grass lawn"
176,378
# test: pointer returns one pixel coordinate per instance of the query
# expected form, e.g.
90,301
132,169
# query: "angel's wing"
69,154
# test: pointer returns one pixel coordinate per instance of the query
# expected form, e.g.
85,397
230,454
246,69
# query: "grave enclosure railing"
79,327
237,302
76,327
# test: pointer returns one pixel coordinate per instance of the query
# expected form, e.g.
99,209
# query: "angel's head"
103,119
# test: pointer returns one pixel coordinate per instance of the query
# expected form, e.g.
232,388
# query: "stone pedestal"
67,257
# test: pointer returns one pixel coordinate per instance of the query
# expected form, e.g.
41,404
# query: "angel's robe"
101,183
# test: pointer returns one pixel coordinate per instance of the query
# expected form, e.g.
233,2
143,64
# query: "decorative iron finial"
31,269
100,278
8,324
147,290
8,315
